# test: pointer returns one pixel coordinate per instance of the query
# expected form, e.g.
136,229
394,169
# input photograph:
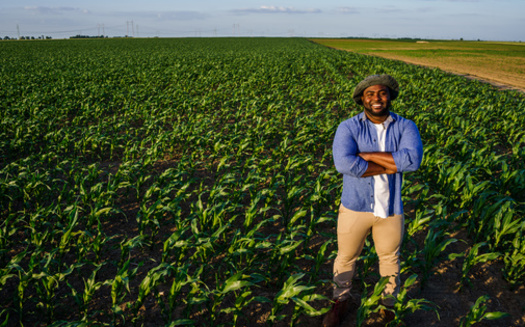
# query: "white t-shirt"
381,187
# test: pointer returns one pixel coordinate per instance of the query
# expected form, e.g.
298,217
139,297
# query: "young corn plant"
369,258
197,296
243,299
370,303
472,258
90,287
46,287
514,271
119,285
404,305
303,306
283,256
435,244
176,245
420,221
24,281
478,312
174,300
320,258
506,222
235,284
150,285
300,294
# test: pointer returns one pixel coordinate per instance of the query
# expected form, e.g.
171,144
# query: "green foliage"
371,302
130,167
478,312
404,305
472,258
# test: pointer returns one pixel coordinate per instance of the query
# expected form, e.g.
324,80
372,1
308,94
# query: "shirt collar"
391,118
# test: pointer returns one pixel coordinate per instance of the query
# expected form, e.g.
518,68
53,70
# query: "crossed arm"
349,161
378,163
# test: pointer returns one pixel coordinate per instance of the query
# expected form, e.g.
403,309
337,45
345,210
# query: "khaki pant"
352,229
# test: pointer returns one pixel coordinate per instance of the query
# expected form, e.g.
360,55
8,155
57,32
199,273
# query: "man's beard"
381,113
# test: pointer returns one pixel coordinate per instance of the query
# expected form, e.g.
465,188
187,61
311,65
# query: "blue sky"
502,20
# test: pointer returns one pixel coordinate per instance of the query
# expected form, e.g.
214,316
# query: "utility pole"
127,28
132,28
18,30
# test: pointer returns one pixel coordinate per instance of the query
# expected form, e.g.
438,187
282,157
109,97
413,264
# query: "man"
372,150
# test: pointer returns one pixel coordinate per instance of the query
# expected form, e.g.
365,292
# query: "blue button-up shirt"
356,135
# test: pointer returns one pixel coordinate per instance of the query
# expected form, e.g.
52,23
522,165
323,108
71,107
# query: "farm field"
499,63
166,182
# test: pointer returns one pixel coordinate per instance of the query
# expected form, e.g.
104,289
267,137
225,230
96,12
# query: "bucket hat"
384,79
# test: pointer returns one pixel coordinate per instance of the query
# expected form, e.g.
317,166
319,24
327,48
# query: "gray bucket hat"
385,79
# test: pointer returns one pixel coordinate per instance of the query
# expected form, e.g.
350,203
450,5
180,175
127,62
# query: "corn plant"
404,305
478,312
234,284
119,285
84,298
515,262
300,294
419,222
472,258
435,244
46,287
150,285
370,303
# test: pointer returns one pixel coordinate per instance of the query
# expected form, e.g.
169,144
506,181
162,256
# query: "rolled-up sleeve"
345,152
409,155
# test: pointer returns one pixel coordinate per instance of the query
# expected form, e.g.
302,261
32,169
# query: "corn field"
167,182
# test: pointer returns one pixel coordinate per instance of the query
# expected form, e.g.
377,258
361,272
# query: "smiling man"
372,150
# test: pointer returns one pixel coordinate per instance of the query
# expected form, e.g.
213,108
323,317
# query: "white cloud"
390,9
55,10
276,10
163,16
347,10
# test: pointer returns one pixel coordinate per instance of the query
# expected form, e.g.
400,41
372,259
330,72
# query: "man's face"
376,100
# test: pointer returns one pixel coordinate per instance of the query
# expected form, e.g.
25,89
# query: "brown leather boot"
338,312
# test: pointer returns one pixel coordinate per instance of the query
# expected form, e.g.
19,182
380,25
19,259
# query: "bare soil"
492,75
